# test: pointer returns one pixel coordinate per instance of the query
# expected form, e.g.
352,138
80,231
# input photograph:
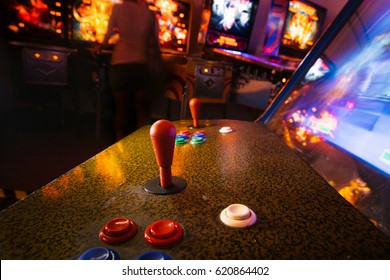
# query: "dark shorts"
129,77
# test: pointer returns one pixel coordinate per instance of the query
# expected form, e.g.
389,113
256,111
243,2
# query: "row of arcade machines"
225,33
49,31
292,28
52,40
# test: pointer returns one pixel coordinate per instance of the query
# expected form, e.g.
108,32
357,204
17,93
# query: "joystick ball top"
163,135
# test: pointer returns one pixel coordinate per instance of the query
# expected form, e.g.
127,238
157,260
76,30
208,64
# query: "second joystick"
195,111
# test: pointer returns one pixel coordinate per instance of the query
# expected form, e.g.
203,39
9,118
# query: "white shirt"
136,26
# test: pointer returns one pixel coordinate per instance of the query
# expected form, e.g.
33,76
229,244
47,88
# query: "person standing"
131,68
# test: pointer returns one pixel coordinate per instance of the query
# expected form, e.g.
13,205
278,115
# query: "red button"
162,229
200,132
185,132
118,230
163,233
117,227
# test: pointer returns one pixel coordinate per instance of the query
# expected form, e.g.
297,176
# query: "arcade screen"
301,29
231,24
90,20
174,18
34,19
338,115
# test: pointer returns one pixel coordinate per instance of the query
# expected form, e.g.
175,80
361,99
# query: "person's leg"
142,107
123,115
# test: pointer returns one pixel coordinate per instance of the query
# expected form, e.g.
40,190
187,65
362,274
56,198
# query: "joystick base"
153,186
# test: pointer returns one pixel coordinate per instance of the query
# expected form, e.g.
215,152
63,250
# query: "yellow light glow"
14,28
228,41
284,80
58,14
181,15
58,4
314,109
206,70
55,57
37,55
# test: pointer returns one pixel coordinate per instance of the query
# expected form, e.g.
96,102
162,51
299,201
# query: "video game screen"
302,28
174,18
338,115
34,19
90,20
231,23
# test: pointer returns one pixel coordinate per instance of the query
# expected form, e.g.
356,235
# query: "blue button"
154,255
99,253
184,136
199,135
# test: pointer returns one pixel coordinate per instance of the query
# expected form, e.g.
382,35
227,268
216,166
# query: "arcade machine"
335,114
291,30
36,32
209,79
235,189
175,20
201,78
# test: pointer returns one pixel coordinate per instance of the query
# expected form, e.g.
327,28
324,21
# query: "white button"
238,215
226,129
238,212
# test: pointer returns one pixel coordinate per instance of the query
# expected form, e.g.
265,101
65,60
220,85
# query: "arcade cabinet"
256,79
196,77
308,181
36,32
334,111
292,28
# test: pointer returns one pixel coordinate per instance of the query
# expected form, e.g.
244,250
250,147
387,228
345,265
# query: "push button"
184,132
154,255
118,230
225,130
197,140
180,141
238,215
99,253
163,233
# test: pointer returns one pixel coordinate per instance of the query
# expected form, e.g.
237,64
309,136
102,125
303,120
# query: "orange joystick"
195,110
163,134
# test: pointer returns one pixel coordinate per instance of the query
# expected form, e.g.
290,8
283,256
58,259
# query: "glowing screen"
36,18
231,23
338,115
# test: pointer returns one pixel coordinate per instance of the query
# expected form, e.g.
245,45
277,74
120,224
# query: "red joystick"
163,134
195,110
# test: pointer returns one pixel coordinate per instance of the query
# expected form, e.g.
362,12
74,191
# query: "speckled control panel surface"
299,216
